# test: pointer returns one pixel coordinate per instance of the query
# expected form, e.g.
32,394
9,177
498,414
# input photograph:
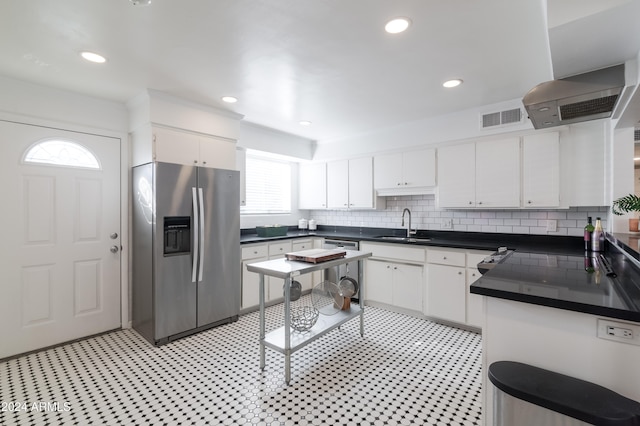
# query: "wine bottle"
588,230
597,237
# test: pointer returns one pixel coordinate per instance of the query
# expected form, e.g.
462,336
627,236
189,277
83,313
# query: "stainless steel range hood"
582,97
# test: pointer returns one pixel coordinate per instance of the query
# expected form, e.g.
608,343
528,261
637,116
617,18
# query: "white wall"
451,127
35,103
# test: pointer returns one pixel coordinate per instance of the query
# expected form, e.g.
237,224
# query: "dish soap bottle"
588,230
597,238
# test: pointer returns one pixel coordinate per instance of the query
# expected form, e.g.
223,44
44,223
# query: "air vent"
586,108
501,118
636,135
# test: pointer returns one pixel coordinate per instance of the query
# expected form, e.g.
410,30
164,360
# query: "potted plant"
628,203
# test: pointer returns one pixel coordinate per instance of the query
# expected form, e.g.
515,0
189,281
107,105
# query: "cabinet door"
446,296
251,285
305,280
387,171
172,146
541,170
498,173
419,168
217,153
312,186
407,286
338,184
361,183
456,176
275,285
474,301
378,282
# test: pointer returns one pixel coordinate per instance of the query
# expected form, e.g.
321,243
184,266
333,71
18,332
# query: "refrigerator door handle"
196,235
201,229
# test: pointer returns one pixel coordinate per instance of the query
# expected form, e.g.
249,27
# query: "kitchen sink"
405,239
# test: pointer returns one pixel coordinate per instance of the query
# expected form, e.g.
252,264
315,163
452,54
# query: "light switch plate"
623,332
552,225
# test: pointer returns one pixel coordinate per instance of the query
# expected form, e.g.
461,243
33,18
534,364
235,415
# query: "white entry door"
60,249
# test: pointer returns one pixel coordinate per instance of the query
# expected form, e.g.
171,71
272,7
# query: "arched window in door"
57,152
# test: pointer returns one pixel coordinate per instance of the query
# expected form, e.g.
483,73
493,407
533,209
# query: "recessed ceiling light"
305,123
229,99
397,25
140,2
452,83
543,109
93,57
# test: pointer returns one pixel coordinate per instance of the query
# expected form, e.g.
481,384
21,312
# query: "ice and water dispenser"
177,235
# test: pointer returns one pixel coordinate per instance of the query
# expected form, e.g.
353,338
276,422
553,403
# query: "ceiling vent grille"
501,118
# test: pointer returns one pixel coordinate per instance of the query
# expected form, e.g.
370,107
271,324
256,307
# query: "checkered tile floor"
404,371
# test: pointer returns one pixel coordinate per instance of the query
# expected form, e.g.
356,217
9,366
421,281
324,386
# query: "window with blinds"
268,186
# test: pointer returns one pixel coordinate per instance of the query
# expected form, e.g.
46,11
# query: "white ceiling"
327,61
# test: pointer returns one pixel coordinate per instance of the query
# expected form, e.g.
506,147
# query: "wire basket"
303,318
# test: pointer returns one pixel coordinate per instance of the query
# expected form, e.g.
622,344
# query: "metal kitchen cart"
283,339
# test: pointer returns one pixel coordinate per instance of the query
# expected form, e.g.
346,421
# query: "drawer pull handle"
459,273
444,257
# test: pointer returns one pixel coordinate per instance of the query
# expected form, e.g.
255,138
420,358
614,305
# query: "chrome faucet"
409,231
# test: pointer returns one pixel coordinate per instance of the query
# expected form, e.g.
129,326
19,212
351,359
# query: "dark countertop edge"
549,244
559,304
629,243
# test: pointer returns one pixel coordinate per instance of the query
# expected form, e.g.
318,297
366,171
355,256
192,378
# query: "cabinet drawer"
276,249
299,245
395,251
251,252
446,257
475,257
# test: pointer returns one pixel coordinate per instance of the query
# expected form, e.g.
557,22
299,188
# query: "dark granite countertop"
561,281
544,270
452,239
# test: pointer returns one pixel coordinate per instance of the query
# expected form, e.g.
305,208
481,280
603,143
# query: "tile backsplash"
425,215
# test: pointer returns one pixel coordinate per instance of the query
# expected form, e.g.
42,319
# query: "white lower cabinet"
305,280
378,276
253,253
391,279
275,285
250,280
450,272
446,292
475,312
407,286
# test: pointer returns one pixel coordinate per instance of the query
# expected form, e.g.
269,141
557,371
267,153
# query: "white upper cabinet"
541,170
312,186
583,157
182,147
498,173
457,176
338,184
350,184
480,175
407,173
361,183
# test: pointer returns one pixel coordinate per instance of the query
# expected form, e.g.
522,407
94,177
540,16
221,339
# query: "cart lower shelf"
276,338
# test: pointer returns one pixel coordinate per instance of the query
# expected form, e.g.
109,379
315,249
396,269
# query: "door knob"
113,236
114,249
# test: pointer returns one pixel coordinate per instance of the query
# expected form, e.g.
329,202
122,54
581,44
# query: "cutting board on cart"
315,255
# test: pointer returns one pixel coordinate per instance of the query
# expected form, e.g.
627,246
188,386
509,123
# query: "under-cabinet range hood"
582,97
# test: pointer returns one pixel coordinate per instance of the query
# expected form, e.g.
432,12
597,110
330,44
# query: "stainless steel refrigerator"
186,249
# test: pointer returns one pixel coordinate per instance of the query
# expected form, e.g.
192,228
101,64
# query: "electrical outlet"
619,331
447,223
552,225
